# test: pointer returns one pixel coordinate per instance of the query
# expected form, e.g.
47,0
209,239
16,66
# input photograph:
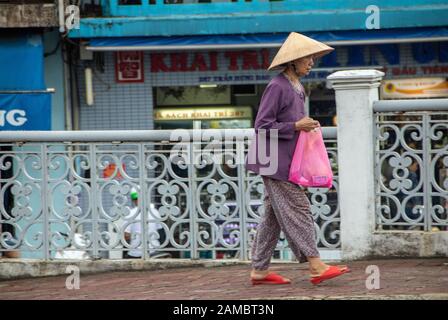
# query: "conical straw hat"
298,46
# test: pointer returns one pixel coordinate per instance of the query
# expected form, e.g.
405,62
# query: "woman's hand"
307,124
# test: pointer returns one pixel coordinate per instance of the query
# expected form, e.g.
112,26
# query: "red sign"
129,66
190,62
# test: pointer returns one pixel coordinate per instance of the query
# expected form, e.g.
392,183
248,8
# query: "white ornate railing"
65,192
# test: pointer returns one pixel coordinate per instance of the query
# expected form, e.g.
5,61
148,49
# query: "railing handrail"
137,135
410,105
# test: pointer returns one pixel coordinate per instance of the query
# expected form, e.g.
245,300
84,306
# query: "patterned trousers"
286,208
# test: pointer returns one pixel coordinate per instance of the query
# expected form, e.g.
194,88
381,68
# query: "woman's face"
304,65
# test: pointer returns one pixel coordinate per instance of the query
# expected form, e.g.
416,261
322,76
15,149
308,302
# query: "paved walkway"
418,278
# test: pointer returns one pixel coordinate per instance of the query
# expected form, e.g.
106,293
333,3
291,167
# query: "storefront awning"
266,40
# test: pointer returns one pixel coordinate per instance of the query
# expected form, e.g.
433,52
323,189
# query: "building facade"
32,90
150,68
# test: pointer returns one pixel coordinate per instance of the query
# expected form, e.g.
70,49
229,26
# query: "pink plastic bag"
310,166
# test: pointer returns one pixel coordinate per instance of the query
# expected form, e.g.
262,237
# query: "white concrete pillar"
356,90
307,106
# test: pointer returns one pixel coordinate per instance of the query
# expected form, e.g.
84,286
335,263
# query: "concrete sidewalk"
399,279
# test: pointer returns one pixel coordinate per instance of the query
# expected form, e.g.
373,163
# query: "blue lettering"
443,51
423,52
330,60
355,56
390,52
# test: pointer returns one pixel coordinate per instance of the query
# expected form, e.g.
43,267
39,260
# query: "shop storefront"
222,89
151,90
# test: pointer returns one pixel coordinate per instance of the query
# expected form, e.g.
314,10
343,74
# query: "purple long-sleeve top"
280,107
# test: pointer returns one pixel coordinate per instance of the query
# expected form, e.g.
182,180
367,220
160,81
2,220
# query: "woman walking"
281,116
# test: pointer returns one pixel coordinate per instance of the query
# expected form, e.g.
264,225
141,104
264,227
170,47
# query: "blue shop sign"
31,111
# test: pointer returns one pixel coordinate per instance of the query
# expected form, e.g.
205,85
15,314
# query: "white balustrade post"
356,90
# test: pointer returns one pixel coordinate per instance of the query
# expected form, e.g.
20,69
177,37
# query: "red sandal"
330,273
271,278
